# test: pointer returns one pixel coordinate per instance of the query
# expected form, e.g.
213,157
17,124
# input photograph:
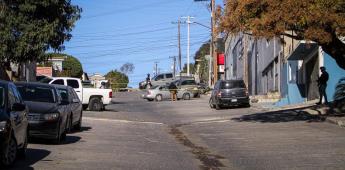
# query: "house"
97,79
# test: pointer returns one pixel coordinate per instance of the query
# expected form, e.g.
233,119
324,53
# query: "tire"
95,104
78,125
69,124
150,100
158,98
212,106
9,154
186,96
22,151
85,106
60,136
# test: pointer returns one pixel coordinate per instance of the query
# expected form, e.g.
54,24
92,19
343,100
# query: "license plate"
233,100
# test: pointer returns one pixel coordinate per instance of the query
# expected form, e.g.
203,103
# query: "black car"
48,115
229,93
74,107
13,124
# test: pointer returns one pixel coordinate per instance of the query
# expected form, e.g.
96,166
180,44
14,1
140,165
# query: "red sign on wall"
220,59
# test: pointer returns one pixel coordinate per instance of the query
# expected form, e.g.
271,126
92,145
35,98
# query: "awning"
302,50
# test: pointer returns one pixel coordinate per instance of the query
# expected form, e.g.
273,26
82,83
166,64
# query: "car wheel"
211,104
9,154
70,124
158,98
186,96
95,104
22,151
78,125
150,100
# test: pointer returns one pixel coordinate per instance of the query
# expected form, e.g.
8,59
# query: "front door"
312,74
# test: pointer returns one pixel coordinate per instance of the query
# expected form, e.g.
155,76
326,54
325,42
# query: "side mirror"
18,107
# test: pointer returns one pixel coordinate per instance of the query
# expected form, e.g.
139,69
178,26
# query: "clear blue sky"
113,32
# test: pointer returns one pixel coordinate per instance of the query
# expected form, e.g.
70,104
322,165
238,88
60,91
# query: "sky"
111,33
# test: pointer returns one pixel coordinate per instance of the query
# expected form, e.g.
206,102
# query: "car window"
37,94
232,84
58,81
188,82
64,94
2,97
153,87
46,80
159,77
73,83
169,75
73,94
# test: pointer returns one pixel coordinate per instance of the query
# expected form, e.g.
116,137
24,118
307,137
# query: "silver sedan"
161,92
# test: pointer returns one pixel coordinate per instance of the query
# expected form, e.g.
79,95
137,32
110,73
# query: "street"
136,134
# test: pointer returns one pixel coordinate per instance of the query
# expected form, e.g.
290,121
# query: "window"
73,83
188,82
63,94
159,77
58,81
37,94
74,94
46,80
232,84
169,76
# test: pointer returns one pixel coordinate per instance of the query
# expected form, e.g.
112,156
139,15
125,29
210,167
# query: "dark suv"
13,124
229,93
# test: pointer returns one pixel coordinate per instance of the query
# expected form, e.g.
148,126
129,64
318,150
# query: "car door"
75,104
75,85
18,117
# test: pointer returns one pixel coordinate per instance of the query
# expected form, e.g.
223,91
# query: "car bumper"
233,101
145,96
44,129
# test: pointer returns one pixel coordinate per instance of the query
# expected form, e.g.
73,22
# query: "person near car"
322,82
173,91
148,81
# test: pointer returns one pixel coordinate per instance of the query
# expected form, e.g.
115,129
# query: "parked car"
161,92
13,124
92,98
162,79
189,85
229,93
48,114
74,107
203,88
339,95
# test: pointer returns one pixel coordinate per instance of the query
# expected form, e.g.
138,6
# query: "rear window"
169,76
188,82
73,83
232,84
2,97
58,81
37,94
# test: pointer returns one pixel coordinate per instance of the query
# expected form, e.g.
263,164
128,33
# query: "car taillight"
111,94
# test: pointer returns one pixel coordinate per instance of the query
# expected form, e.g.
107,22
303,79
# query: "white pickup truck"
92,98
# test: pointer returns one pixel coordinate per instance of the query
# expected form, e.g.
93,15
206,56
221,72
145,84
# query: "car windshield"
37,94
46,80
153,87
232,84
2,97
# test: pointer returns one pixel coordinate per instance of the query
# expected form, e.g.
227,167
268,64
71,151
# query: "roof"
35,84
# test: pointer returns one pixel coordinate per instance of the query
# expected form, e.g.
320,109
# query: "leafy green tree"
28,28
201,60
117,79
321,21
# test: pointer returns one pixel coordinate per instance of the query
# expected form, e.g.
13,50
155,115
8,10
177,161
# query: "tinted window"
58,81
188,82
169,76
159,77
74,94
37,94
64,94
2,97
73,83
46,80
232,84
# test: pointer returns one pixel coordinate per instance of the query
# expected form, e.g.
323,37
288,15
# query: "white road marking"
121,121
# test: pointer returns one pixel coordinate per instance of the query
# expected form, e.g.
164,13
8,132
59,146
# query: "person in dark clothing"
322,83
148,81
173,91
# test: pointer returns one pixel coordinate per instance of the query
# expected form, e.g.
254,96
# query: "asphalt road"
136,134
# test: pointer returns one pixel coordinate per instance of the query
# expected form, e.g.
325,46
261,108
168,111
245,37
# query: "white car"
159,93
92,98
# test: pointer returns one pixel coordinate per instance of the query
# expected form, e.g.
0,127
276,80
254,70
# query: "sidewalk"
323,112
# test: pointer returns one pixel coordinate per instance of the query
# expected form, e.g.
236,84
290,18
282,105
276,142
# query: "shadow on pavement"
280,117
33,156
82,129
69,140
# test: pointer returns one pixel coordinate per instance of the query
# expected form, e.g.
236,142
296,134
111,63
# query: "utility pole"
188,43
179,42
174,65
156,67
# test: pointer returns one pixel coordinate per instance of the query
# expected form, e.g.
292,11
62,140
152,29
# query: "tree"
117,79
321,21
127,68
29,28
201,60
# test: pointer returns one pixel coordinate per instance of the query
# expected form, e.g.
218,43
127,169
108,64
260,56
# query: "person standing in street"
322,83
148,81
173,91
